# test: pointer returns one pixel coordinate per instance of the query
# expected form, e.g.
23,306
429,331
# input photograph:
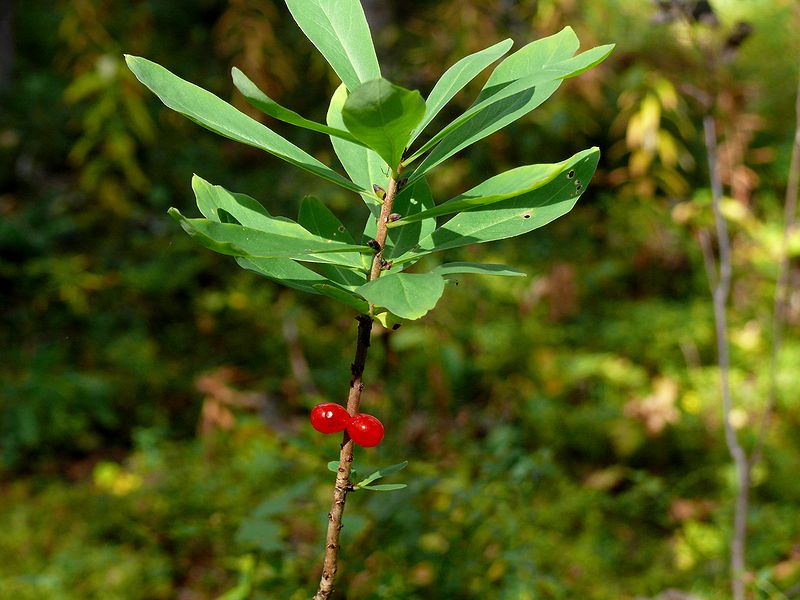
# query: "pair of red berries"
364,430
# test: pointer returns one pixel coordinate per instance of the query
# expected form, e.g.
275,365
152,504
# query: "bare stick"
721,291
781,287
343,484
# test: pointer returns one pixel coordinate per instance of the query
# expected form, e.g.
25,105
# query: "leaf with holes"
512,217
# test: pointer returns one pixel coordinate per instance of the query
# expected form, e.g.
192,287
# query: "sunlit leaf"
375,475
362,164
235,240
339,30
269,107
513,217
509,184
317,219
519,84
457,268
344,296
382,115
385,487
456,77
210,111
284,271
408,295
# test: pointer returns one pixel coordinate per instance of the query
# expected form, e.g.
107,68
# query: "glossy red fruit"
365,430
329,417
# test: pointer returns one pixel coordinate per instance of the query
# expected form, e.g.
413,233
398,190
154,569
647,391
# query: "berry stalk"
343,483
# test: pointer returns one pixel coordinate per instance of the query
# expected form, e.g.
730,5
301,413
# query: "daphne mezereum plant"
373,125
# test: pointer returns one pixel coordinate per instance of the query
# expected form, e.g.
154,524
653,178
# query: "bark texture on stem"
721,291
343,484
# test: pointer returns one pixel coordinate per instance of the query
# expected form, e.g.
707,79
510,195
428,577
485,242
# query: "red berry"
365,430
329,417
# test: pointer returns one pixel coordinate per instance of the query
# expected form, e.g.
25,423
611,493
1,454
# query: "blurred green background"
563,430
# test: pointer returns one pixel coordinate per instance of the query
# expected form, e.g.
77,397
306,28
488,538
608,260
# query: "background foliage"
563,429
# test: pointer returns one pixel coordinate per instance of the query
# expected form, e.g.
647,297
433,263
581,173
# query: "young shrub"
373,124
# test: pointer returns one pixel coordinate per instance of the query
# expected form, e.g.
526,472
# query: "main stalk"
343,483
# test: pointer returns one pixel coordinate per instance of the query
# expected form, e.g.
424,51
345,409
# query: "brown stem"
343,484
721,291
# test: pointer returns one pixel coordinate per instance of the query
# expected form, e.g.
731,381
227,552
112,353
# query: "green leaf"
456,77
214,201
513,217
408,295
381,473
382,115
269,107
235,240
510,184
317,218
385,487
455,268
388,320
362,164
413,200
211,112
339,30
245,210
518,85
284,271
344,296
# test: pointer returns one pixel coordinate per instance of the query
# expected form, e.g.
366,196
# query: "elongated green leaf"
375,475
284,271
317,218
246,210
385,487
513,217
458,268
345,297
456,77
235,240
518,85
210,111
362,164
408,295
269,107
572,67
214,201
510,184
339,30
382,115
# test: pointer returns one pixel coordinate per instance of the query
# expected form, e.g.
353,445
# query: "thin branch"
781,300
343,484
704,240
721,291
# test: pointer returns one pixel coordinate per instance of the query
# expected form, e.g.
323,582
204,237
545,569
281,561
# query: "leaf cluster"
373,124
